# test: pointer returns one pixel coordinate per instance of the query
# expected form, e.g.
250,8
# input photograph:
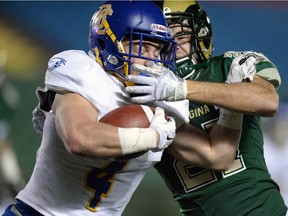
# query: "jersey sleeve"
71,71
268,71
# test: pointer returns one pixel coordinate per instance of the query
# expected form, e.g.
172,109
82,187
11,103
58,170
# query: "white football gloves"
135,140
165,128
243,68
160,84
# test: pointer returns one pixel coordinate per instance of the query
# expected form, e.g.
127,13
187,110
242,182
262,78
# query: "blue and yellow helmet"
116,20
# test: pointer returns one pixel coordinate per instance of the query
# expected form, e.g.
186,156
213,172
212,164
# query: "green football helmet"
190,14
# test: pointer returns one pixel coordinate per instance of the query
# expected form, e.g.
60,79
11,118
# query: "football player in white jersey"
76,172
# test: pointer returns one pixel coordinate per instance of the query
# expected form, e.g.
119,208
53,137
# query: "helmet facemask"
194,22
136,42
199,33
110,28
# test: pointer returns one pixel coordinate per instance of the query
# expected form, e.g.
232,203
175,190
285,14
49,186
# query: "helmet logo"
160,28
203,32
55,63
99,18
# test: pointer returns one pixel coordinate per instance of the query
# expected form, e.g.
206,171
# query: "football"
127,117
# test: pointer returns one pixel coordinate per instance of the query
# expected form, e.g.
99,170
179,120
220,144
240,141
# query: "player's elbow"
265,100
220,165
270,101
221,162
73,143
77,144
269,107
272,106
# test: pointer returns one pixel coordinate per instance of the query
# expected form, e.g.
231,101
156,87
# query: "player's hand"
243,67
165,128
160,84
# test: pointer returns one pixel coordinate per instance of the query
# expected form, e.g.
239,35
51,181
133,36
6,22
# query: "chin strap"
116,74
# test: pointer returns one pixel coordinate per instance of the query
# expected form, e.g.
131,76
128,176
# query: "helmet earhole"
101,44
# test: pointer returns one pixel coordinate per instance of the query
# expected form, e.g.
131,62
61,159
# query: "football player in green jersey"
246,188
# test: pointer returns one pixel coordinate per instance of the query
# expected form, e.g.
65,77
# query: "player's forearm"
256,98
216,151
77,126
101,140
90,140
188,146
224,145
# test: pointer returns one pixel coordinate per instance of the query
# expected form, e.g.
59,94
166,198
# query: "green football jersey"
246,188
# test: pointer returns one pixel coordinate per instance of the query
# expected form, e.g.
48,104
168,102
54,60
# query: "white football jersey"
66,184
